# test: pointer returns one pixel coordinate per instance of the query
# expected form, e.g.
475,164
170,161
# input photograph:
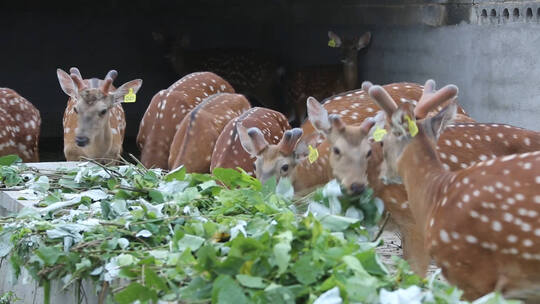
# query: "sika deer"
20,122
94,121
479,223
461,145
229,152
194,141
354,106
167,110
327,80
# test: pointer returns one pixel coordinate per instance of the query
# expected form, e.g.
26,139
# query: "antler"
383,99
366,85
111,76
367,124
77,78
289,140
432,98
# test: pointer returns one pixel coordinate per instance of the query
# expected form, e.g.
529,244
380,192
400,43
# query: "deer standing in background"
229,152
20,126
167,110
251,72
94,121
326,80
480,223
194,141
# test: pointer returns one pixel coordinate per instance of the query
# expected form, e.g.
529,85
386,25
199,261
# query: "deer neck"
102,141
424,177
350,73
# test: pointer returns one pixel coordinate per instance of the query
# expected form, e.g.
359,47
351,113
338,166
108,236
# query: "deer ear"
363,41
252,140
400,121
124,89
66,83
318,115
335,38
435,125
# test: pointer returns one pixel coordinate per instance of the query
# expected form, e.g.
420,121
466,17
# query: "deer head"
277,160
349,55
93,100
346,150
402,124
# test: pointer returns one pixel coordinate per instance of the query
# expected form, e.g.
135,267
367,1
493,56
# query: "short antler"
383,99
432,98
111,76
77,78
366,85
290,140
367,124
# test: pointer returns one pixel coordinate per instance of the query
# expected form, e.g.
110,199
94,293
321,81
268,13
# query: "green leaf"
9,160
372,264
153,280
192,242
336,222
227,291
134,292
305,270
176,174
49,255
281,253
249,281
156,196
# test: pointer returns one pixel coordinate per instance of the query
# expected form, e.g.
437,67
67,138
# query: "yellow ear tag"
130,97
413,128
379,134
332,43
313,154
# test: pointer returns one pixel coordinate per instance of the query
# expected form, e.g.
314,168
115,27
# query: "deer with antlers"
20,122
194,141
167,110
353,107
230,151
460,146
491,241
94,121
327,80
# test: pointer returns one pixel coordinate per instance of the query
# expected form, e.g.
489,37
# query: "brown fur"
20,126
167,109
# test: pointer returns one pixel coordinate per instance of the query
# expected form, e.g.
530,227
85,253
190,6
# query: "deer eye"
75,109
102,112
285,168
369,153
336,151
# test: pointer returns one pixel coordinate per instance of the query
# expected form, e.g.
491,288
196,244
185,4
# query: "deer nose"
81,140
357,188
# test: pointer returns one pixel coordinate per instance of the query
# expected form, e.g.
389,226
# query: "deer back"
228,151
167,109
194,141
20,122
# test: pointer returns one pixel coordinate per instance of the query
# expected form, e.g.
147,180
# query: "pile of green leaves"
148,235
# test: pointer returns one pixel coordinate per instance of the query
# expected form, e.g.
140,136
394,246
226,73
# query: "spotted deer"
479,223
194,141
353,107
20,126
326,80
167,110
94,121
229,152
